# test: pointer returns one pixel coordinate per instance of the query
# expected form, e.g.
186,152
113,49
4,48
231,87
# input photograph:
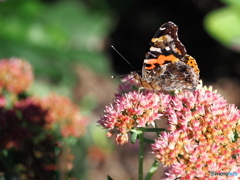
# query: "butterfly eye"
148,65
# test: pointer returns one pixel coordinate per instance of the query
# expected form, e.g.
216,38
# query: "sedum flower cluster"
202,136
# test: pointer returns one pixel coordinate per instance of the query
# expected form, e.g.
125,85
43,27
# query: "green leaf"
4,152
224,25
232,2
134,137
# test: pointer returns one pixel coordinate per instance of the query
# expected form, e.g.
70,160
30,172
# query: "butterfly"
167,66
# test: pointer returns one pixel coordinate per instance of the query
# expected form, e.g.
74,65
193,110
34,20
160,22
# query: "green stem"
141,138
151,129
141,151
152,170
155,164
149,141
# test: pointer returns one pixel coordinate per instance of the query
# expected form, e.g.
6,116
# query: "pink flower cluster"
202,135
15,75
130,111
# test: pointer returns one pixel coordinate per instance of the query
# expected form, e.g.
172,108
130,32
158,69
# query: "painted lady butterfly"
167,66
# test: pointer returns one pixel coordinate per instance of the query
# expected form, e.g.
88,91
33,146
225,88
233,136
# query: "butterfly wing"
166,65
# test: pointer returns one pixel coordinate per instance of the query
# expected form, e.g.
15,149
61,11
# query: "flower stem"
152,170
151,129
141,151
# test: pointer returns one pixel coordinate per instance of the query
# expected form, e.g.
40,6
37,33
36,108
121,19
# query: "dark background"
139,21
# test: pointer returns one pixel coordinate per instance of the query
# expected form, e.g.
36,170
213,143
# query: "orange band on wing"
160,60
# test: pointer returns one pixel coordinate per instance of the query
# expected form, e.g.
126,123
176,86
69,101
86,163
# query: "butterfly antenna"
119,76
122,56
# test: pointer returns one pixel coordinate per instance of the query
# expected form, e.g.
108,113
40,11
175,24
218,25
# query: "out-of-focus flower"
31,127
15,75
65,161
20,123
31,111
63,115
13,133
2,101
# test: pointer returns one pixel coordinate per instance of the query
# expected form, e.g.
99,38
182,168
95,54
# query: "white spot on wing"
169,38
146,60
155,49
167,48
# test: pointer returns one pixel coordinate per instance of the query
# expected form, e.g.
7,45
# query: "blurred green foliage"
54,37
224,24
